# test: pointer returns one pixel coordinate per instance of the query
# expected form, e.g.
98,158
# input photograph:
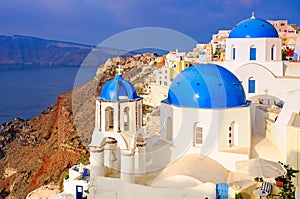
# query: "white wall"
275,86
117,189
215,124
263,53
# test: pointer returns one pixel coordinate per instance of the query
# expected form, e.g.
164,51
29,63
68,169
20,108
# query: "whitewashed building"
253,54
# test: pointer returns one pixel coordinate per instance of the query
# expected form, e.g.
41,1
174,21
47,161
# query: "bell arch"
109,118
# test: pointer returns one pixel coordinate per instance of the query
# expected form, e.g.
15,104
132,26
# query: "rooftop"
253,28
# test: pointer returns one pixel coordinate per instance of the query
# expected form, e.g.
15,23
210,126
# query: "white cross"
252,17
266,91
119,70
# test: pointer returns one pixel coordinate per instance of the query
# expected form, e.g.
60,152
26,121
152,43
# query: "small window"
174,65
251,85
273,53
233,53
252,53
198,139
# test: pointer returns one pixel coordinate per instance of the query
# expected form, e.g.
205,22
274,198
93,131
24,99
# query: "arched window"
251,85
109,118
169,129
126,119
233,139
273,52
198,135
252,53
233,53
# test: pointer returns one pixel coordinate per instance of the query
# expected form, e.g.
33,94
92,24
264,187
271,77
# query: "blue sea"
26,91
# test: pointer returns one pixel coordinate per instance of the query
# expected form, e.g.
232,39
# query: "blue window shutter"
251,86
252,53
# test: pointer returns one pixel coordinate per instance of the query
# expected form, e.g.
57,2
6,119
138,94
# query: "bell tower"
118,137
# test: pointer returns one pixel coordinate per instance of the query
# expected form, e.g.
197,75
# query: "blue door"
222,191
79,192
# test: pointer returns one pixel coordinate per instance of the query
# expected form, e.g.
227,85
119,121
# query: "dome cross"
252,17
119,70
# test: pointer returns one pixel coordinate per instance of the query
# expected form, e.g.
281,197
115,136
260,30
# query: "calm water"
27,91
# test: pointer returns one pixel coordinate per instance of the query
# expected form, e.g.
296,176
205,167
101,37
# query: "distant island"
27,50
18,49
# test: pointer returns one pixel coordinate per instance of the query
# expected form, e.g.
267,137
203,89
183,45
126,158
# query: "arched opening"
198,135
169,129
233,139
109,119
111,156
251,85
126,119
233,53
252,53
273,52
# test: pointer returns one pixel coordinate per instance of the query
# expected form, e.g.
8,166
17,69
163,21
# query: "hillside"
38,151
18,49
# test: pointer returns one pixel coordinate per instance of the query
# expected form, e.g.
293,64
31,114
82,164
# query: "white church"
212,118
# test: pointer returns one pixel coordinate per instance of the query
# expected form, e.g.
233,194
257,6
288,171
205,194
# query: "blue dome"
253,28
118,89
206,86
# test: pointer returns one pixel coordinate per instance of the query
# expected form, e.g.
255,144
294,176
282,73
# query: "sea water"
26,91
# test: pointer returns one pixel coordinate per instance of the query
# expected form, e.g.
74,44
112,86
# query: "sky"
93,21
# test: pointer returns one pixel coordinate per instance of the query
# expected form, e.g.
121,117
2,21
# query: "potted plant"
279,181
287,191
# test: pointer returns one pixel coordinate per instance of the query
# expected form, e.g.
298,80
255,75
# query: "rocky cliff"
37,151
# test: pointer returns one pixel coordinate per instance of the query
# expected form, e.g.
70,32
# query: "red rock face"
40,154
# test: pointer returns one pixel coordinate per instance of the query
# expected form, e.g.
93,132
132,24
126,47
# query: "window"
233,139
174,65
252,53
233,53
273,53
198,136
169,129
251,85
